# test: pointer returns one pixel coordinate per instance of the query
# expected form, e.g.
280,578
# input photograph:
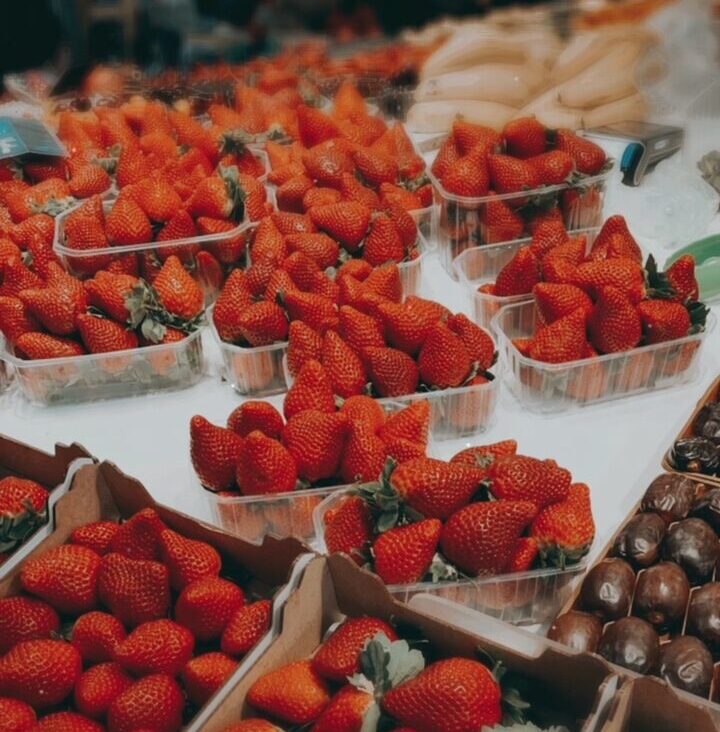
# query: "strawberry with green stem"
23,507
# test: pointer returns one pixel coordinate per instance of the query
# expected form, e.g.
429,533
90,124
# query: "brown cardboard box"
564,687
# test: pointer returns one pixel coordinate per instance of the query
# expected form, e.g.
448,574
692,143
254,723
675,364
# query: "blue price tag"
23,136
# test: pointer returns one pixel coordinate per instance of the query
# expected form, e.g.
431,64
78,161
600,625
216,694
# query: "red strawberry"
524,137
265,466
481,456
444,360
205,674
178,291
187,559
156,647
385,281
22,508
447,156
522,478
523,555
315,126
392,372
101,335
363,457
16,278
319,196
407,325
206,605
469,176
302,270
66,577
98,687
451,694
230,305
41,255
480,538
352,189
157,198
214,452
339,656
347,711
321,248
67,722
468,136
42,345
564,340
316,440
316,311
227,249
279,283
17,716
681,275
343,366
304,344
139,536
291,193
364,410
96,535
40,672
553,168
555,301
263,323
349,530
291,223
245,627
519,275
25,618
127,223
134,590
326,163
399,198
131,167
403,554
383,243
310,390
663,320
589,158
411,423
375,168
15,319
96,635
256,415
478,342
57,306
108,292
359,330
510,175
218,197
154,702
615,324
347,222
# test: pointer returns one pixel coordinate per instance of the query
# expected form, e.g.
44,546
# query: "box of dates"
651,604
347,650
31,481
131,615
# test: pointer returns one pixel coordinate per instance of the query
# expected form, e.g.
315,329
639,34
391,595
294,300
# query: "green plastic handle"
706,253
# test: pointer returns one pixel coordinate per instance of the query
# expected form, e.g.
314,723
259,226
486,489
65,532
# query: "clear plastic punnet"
558,387
521,598
167,366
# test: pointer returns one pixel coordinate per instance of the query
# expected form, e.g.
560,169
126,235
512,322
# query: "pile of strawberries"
57,315
316,443
365,676
600,300
488,511
90,641
23,507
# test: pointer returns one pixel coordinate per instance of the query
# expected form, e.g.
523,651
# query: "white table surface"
616,447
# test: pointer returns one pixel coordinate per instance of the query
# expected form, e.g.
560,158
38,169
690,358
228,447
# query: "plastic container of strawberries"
480,265
84,263
90,377
558,387
460,219
522,598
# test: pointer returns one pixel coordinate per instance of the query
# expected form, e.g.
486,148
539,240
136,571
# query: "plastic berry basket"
481,265
90,377
546,387
84,263
522,598
461,219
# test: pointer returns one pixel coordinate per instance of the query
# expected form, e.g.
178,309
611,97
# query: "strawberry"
478,342
365,410
522,478
96,635
302,270
214,452
310,390
88,180
98,687
359,330
218,197
347,711
398,197
292,223
316,311
279,283
39,227
157,198
268,243
178,291
265,466
245,627
363,457
321,248
479,538
468,136
552,168
127,223
40,672
304,344
663,320
385,281
325,163
256,415
519,275
225,248
134,590
206,605
392,372
523,555
510,175
481,456
57,306
434,488
589,158
17,716
291,193
293,693
339,656
156,647
101,335
108,292
406,225
154,702
320,196
252,725
562,341
374,167
349,530
469,175
565,530
68,722
357,268
681,275
41,255
447,156
346,222
411,423
383,243
343,366
231,303
139,536
555,301
444,361
42,345
25,618
451,694
16,278
66,577
615,323
187,559
205,674
315,126
403,554
263,323
316,441
23,505
352,189
96,535
524,137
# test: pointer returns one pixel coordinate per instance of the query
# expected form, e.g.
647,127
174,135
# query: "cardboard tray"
711,395
566,687
104,492
55,472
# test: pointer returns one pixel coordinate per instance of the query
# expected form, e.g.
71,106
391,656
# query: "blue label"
22,136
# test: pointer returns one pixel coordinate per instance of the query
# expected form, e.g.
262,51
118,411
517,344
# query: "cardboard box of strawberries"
130,615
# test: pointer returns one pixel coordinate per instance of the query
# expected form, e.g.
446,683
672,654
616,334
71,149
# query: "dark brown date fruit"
694,546
687,664
707,508
703,618
661,595
608,588
640,540
670,496
577,630
631,643
707,423
695,455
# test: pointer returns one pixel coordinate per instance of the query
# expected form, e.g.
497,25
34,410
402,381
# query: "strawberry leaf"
657,282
